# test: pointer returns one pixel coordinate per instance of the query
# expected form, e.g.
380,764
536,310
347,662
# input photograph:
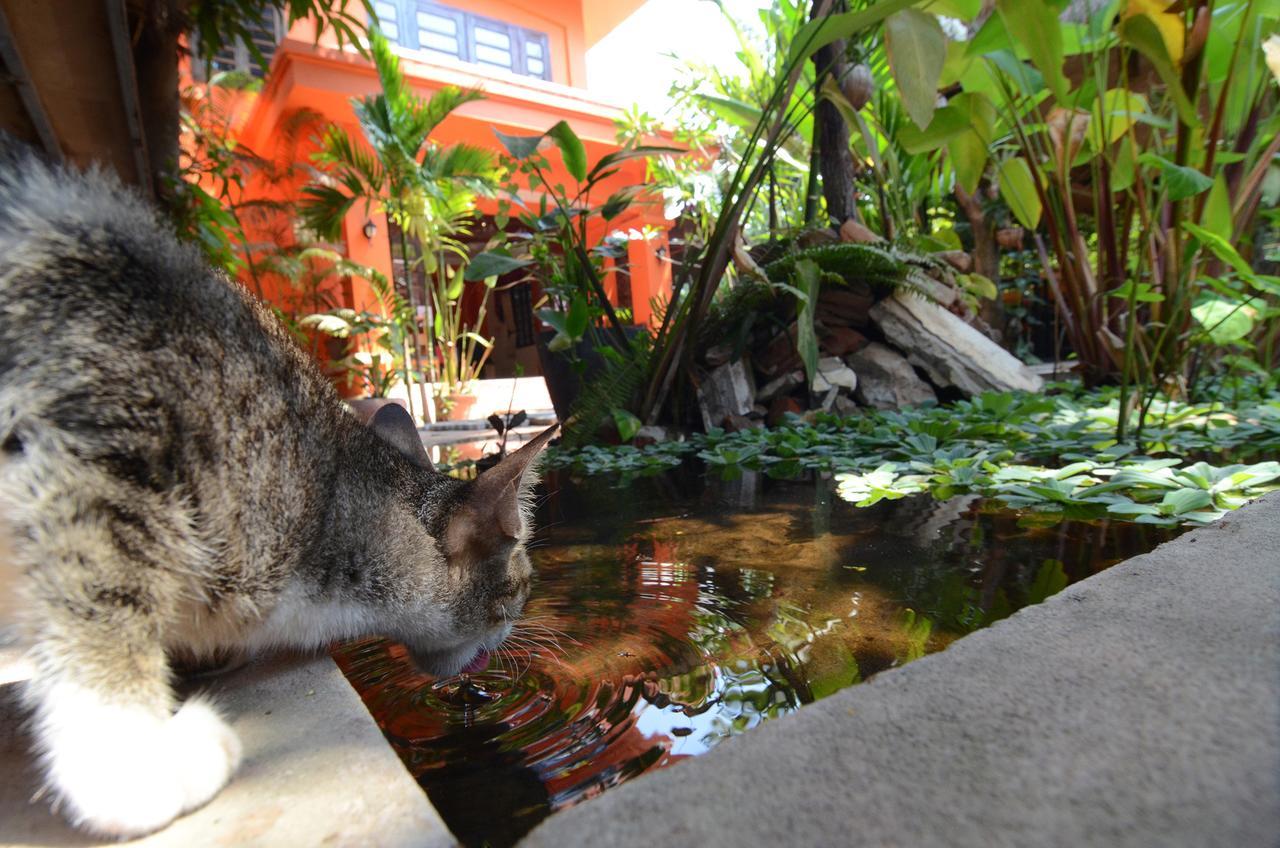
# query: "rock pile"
892,329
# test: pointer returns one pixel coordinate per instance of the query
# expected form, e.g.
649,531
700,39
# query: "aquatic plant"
1042,453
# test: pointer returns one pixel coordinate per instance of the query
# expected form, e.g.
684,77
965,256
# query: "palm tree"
427,190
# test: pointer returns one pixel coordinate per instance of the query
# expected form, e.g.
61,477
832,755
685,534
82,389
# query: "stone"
845,307
950,351
717,355
945,294
957,259
832,372
853,232
780,386
724,391
779,354
886,380
651,434
844,406
738,423
781,406
817,238
841,341
316,771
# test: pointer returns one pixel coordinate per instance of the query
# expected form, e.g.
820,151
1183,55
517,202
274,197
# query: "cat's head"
482,580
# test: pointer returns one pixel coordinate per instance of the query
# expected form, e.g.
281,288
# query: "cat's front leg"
118,759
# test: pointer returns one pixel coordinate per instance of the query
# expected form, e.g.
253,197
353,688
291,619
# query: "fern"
616,386
851,262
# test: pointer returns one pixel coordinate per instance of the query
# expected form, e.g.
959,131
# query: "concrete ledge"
317,771
1139,707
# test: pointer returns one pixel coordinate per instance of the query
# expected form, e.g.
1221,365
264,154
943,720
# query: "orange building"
528,58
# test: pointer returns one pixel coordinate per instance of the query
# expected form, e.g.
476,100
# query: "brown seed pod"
857,85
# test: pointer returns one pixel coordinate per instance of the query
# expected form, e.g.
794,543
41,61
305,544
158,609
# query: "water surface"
679,611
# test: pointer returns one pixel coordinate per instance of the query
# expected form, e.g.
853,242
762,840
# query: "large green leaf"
617,157
571,149
520,146
1034,26
968,155
1180,181
627,423
947,122
494,264
808,279
1217,217
1115,112
1225,321
917,48
815,35
1018,188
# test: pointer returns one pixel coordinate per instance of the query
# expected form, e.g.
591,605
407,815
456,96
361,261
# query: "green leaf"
947,122
1180,181
571,149
808,278
965,10
520,146
1219,247
1185,500
454,290
968,155
1217,210
628,425
1116,111
1034,26
578,319
1018,188
815,35
1225,321
619,201
1144,293
617,157
494,264
916,48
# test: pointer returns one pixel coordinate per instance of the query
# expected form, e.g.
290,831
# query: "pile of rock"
883,347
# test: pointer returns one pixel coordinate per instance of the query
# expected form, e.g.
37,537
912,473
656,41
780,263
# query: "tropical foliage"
427,190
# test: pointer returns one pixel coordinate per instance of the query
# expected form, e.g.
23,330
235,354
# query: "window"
446,31
265,35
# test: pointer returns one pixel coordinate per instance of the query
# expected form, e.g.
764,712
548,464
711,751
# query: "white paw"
207,751
125,771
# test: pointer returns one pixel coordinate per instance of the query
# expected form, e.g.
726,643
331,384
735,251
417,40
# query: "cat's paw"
208,751
125,772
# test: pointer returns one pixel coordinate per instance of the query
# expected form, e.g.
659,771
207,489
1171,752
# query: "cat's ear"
496,499
396,427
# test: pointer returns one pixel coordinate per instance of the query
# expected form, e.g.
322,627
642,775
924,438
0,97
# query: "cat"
178,480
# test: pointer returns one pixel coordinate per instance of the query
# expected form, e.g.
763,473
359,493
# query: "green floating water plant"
1044,453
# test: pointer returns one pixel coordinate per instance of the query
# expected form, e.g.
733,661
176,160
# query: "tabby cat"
177,480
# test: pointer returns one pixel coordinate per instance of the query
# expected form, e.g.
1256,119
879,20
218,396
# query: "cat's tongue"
477,665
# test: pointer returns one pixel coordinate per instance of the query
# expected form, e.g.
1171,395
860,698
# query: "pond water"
678,611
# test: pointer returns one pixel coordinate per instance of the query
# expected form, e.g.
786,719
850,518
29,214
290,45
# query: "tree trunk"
986,254
155,26
832,134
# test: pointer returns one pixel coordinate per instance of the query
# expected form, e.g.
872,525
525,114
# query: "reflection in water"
669,617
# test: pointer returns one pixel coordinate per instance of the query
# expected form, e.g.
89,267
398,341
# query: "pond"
681,610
